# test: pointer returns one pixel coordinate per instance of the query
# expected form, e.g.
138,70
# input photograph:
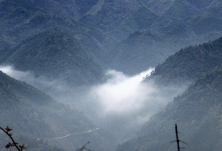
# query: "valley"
116,73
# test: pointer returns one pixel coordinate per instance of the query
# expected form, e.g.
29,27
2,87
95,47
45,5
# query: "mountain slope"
214,10
182,9
22,22
55,55
67,8
111,14
138,52
19,21
138,19
160,7
197,113
34,115
205,24
181,25
190,63
142,50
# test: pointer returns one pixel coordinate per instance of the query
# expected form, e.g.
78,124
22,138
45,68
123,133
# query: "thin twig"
11,138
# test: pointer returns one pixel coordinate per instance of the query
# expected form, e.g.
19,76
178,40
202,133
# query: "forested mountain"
108,15
205,25
138,19
37,118
189,63
175,28
121,18
28,30
56,48
197,111
66,8
160,7
144,49
214,9
139,52
21,20
54,55
72,43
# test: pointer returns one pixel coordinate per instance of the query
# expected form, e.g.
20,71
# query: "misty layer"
121,104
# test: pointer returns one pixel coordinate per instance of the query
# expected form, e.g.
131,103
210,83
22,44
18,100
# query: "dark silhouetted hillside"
37,118
190,63
55,55
197,113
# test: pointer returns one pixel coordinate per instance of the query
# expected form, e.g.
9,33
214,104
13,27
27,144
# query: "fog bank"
120,105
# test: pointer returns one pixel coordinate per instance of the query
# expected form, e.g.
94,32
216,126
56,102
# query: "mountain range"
74,42
189,63
23,25
108,43
174,32
197,111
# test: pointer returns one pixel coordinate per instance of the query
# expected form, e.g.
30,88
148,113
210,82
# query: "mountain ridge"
196,116
36,116
189,63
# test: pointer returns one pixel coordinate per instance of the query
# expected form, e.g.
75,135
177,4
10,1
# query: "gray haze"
121,104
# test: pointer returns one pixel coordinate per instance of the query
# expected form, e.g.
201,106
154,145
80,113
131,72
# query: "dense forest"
197,111
73,71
